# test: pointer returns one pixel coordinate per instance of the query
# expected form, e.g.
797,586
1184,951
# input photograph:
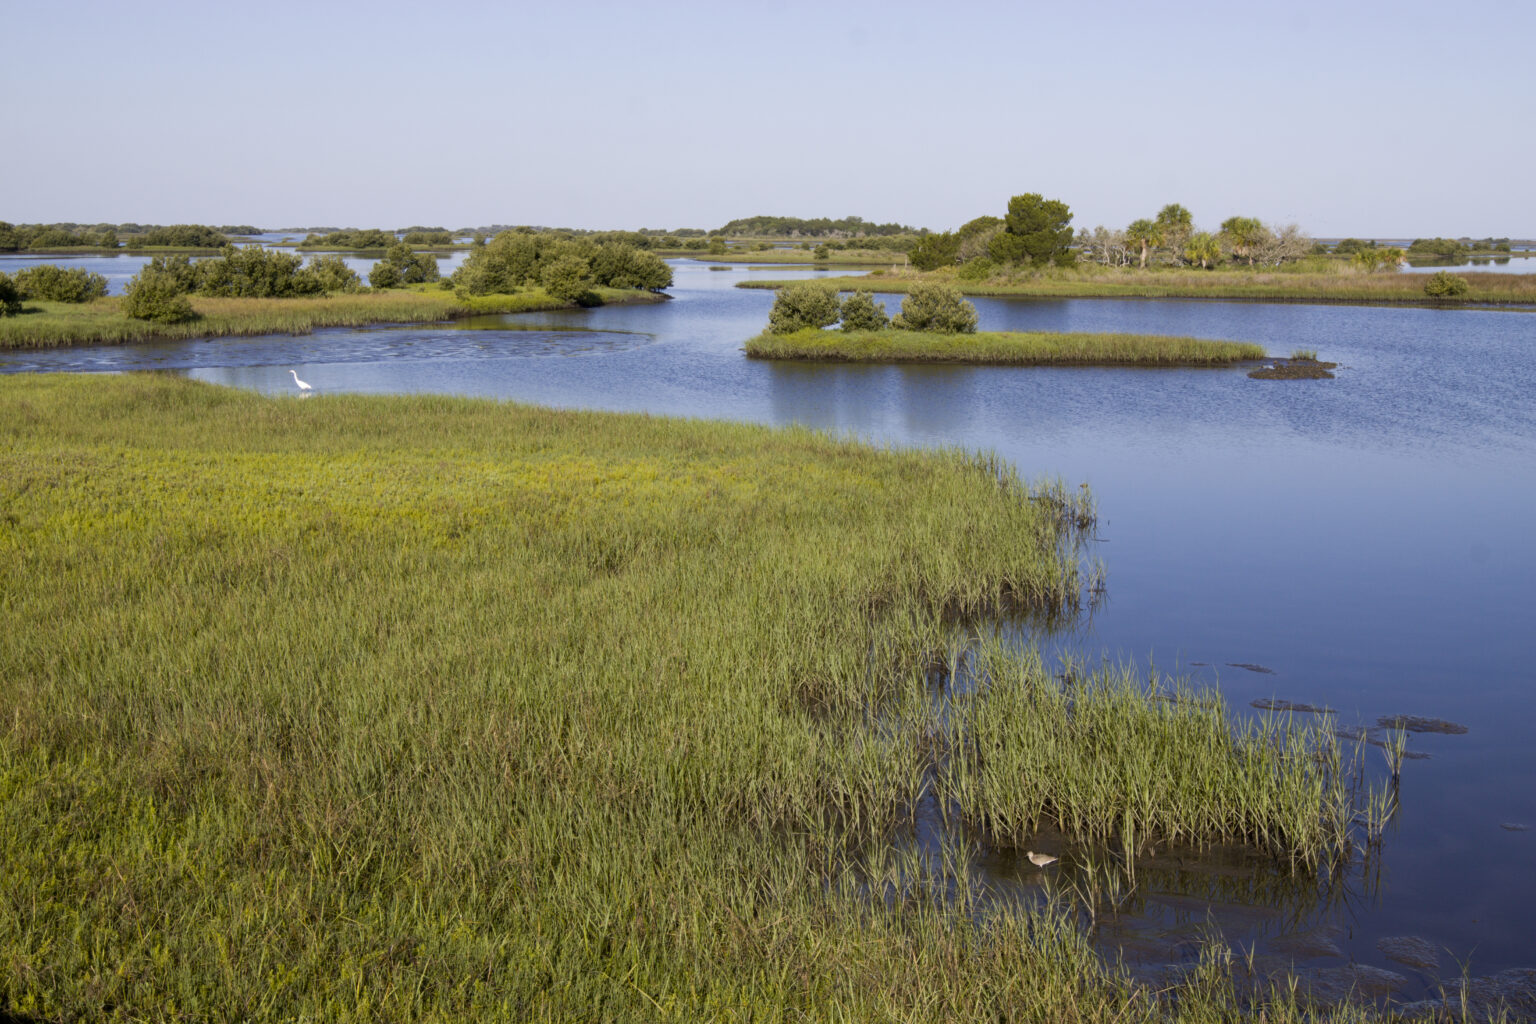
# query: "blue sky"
1402,118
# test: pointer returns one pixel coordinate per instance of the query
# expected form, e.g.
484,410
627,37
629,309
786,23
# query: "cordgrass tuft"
997,348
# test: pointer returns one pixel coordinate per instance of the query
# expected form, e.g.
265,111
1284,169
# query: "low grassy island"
420,708
1000,348
263,291
937,326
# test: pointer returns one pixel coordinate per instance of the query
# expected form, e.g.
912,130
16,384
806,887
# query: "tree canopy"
1036,231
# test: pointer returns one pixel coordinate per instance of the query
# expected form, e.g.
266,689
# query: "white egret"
1040,860
301,384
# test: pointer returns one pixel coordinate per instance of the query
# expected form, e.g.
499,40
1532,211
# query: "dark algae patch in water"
1276,704
1416,723
1294,369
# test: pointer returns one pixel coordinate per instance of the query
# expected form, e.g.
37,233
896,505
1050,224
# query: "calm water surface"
1366,539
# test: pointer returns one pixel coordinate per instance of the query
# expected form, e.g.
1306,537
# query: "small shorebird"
302,386
1040,860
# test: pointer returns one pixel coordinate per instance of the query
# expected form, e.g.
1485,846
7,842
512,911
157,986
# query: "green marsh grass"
1000,348
366,708
1119,762
52,324
1340,285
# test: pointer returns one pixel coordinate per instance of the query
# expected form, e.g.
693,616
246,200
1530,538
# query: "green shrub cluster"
427,237
186,236
21,237
801,305
1444,285
155,297
936,307
862,313
1441,247
58,284
516,258
158,291
401,266
351,238
10,296
811,304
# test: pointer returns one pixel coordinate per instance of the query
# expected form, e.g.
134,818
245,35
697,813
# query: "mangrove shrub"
862,313
57,284
187,236
801,305
157,297
567,278
254,272
10,296
1444,285
936,307
401,266
332,274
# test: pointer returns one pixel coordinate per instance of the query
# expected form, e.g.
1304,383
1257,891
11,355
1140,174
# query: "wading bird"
1040,860
301,384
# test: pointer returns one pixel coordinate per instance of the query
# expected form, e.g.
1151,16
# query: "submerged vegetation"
434,709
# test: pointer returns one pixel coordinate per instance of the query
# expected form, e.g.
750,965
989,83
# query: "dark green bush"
191,236
976,270
936,307
862,313
801,305
58,284
1444,285
10,296
254,272
567,278
157,297
332,274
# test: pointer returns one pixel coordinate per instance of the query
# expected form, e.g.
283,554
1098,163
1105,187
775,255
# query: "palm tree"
1147,234
1243,233
1202,248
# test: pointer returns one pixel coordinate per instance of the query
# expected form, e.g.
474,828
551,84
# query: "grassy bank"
51,324
1260,286
361,708
1000,348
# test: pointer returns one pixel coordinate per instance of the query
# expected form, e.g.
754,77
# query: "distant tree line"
181,236
352,238
819,227
1452,247
1172,239
567,267
21,237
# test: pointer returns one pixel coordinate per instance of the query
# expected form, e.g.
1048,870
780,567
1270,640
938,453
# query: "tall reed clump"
1111,759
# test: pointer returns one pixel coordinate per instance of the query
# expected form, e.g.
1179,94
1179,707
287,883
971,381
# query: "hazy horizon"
1383,120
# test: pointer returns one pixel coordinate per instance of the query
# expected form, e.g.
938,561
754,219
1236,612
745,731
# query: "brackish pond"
1361,543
